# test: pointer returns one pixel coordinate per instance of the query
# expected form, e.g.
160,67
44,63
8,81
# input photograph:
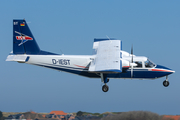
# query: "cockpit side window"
139,64
149,64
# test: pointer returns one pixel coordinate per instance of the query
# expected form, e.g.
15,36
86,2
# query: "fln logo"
24,38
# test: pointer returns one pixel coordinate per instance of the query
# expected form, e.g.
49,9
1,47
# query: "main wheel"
166,83
105,88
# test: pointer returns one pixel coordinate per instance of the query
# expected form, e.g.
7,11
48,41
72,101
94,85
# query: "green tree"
79,113
1,116
134,115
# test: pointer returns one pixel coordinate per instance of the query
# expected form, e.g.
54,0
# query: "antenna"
61,52
107,37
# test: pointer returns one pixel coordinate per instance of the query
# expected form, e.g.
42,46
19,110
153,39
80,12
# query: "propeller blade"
132,61
132,54
132,49
131,71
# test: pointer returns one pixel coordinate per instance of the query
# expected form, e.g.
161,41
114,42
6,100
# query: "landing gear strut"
166,82
105,80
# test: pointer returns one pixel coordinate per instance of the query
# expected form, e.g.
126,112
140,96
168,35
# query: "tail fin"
23,40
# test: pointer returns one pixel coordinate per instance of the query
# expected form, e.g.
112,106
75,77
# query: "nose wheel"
166,82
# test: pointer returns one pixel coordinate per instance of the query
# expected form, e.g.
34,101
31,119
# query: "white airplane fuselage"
79,64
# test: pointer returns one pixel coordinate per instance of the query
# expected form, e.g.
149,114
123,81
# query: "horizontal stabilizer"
107,56
18,58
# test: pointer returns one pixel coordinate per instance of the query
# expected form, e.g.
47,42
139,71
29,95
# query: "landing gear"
105,88
166,82
105,80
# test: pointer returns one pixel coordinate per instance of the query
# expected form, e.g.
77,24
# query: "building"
58,113
177,117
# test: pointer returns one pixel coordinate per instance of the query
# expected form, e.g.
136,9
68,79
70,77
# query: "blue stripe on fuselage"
137,73
142,74
82,73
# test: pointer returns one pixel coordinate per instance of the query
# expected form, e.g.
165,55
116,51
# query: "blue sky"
70,26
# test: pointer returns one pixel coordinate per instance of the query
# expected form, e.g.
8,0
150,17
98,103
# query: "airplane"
108,60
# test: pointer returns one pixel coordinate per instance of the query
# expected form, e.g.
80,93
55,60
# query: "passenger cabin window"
139,64
149,64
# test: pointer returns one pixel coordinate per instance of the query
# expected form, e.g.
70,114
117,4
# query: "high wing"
107,56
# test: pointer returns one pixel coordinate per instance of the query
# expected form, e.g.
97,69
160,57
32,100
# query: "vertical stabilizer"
23,40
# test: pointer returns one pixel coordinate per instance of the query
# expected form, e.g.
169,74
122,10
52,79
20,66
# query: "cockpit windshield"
149,64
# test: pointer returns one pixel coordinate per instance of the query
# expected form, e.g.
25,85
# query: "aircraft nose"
165,69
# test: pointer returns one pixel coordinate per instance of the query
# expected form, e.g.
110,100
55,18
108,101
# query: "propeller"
132,61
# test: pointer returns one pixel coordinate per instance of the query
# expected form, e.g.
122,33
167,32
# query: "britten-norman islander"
108,61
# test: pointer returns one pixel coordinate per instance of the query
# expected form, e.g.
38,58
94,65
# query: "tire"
166,83
105,88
